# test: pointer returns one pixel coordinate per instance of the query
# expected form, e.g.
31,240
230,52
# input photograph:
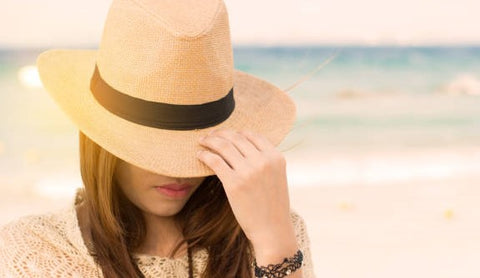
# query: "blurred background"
384,158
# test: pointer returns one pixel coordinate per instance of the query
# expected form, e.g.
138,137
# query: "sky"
48,23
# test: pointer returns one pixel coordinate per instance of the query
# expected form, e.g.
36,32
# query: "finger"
225,149
216,163
260,141
246,148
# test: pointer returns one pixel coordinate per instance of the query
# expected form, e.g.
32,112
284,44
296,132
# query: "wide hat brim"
259,106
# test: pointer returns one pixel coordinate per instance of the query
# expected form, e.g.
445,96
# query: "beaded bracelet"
282,269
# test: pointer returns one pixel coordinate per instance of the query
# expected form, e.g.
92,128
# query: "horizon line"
267,45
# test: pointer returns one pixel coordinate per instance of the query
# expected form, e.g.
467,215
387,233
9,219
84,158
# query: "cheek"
130,185
137,196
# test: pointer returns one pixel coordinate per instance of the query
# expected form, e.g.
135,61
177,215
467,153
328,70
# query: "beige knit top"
51,245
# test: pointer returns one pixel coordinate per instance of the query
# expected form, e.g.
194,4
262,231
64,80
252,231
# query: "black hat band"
158,114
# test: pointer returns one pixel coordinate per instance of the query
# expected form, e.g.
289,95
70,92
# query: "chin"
166,210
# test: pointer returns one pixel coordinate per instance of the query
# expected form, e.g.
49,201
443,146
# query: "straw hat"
163,76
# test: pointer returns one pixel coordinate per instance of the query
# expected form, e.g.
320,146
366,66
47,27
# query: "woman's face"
143,189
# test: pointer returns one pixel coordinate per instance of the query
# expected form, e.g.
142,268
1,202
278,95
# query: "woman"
178,160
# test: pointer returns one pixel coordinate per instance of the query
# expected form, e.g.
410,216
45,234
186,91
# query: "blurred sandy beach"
408,230
395,230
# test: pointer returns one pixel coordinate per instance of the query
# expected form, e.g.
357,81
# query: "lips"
175,186
177,191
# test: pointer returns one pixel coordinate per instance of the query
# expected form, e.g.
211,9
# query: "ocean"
371,116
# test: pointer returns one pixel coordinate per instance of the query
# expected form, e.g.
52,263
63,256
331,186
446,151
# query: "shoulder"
34,227
32,240
22,229
27,231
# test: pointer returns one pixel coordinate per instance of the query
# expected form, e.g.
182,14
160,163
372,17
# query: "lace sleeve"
303,241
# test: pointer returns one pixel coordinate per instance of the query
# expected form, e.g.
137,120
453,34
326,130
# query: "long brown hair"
117,226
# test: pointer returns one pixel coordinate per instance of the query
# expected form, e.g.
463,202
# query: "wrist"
284,268
274,249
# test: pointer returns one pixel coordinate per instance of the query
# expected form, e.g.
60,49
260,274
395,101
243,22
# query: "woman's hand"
254,177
